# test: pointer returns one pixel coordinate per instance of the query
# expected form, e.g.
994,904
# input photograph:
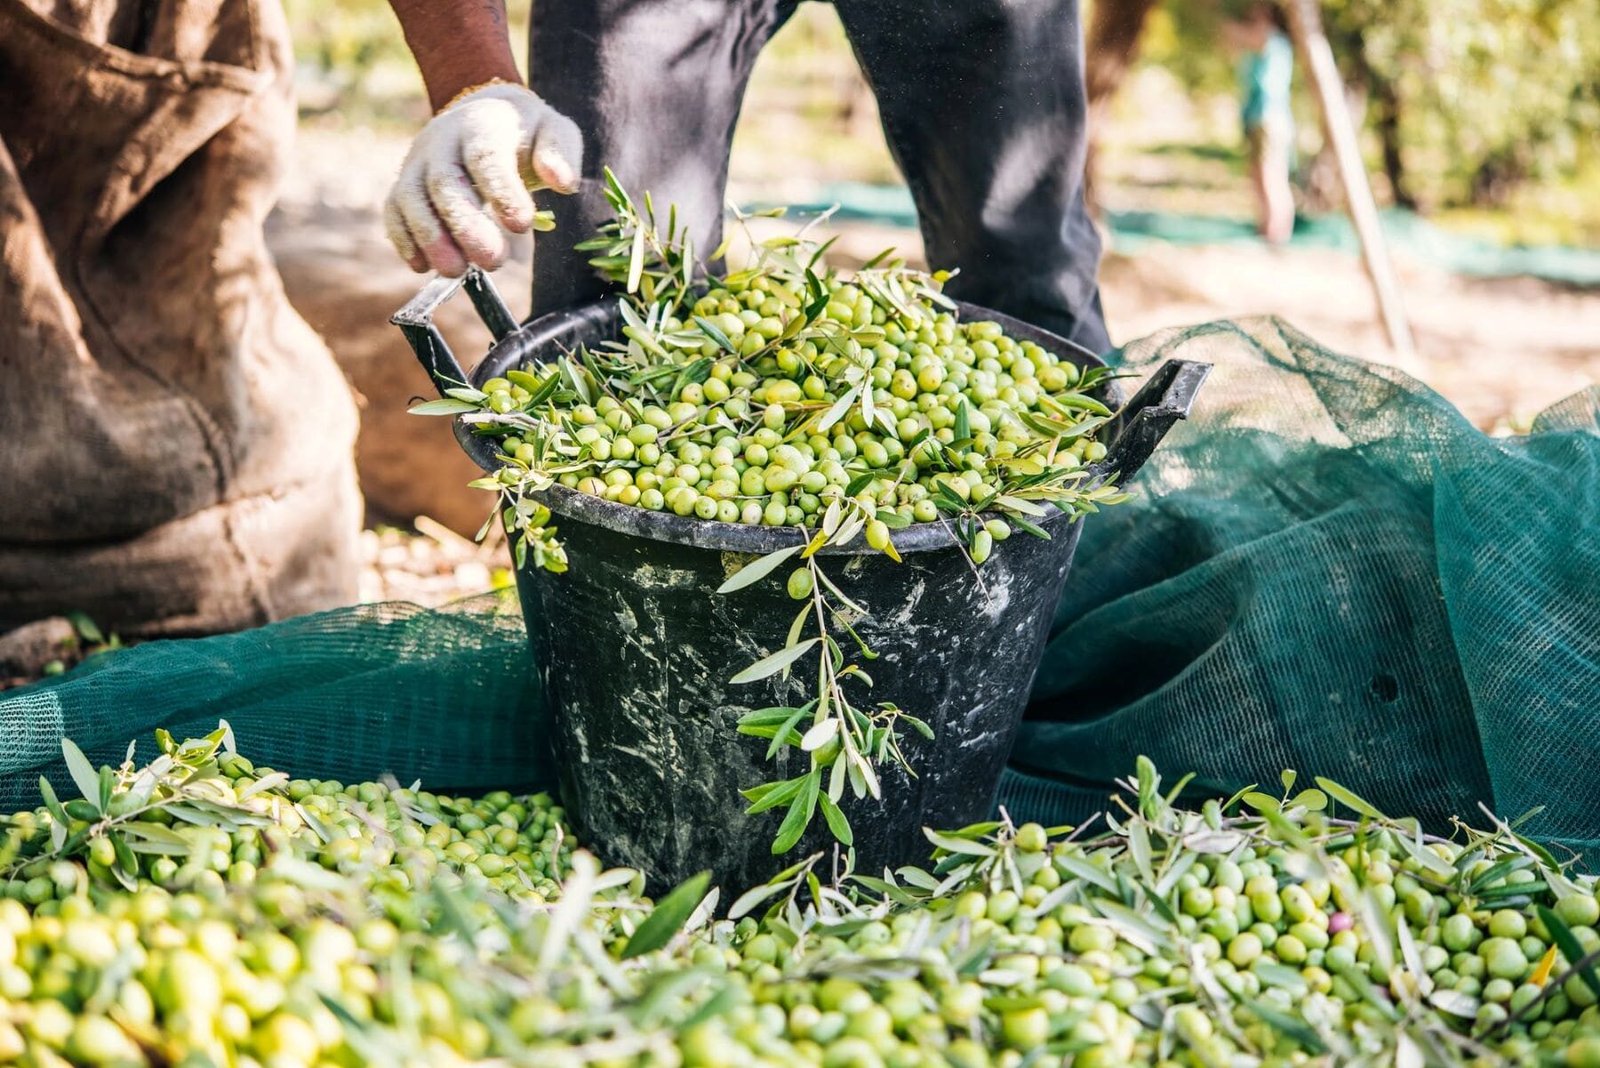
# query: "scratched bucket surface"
635,648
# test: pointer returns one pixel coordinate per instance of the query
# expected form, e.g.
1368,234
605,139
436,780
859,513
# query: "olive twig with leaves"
843,740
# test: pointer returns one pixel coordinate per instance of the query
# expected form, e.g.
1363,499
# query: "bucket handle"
415,320
1136,430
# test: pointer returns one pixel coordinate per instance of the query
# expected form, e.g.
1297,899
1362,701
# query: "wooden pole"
1305,22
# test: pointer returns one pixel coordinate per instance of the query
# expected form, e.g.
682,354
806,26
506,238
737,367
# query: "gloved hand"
467,178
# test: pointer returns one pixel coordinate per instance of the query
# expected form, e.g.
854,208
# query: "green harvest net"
1326,568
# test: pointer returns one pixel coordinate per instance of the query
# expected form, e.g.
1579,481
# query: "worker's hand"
466,180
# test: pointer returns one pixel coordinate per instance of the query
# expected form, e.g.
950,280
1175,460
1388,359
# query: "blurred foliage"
1480,104
1468,101
353,59
1489,93
344,37
807,89
1184,37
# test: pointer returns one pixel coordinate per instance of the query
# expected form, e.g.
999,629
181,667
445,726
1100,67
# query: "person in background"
982,102
1266,73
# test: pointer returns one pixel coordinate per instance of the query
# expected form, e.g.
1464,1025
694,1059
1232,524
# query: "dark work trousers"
982,103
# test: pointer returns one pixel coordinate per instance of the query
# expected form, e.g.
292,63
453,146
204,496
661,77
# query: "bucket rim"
759,540
514,350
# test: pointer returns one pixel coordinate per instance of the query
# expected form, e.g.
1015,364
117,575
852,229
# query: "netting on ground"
1327,568
449,696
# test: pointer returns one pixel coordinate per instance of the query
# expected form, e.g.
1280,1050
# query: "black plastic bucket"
635,648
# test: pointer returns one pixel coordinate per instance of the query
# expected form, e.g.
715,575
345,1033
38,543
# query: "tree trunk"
1112,46
1386,119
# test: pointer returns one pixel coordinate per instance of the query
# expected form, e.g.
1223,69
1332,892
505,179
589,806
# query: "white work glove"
466,180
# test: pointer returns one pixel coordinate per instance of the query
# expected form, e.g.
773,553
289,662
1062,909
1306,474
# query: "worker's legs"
655,86
1269,170
983,104
1253,137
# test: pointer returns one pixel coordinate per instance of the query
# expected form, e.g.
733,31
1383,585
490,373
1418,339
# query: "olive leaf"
776,662
714,332
839,409
758,569
83,774
772,794
800,812
1290,1025
1349,799
1080,400
761,721
820,735
636,260
444,406
86,628
753,897
47,792
1455,1003
836,820
668,917
1312,800
1030,528
1082,869
1261,802
952,844
795,627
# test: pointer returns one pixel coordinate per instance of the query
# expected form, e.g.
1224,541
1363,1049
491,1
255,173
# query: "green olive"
1031,838
800,583
982,546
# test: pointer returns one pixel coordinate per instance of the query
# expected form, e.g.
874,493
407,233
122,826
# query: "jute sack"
175,442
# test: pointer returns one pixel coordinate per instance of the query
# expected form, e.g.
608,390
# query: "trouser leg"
656,87
983,104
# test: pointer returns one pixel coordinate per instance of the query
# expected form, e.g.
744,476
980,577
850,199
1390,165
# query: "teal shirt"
1264,79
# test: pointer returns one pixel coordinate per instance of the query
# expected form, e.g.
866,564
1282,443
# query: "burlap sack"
175,442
